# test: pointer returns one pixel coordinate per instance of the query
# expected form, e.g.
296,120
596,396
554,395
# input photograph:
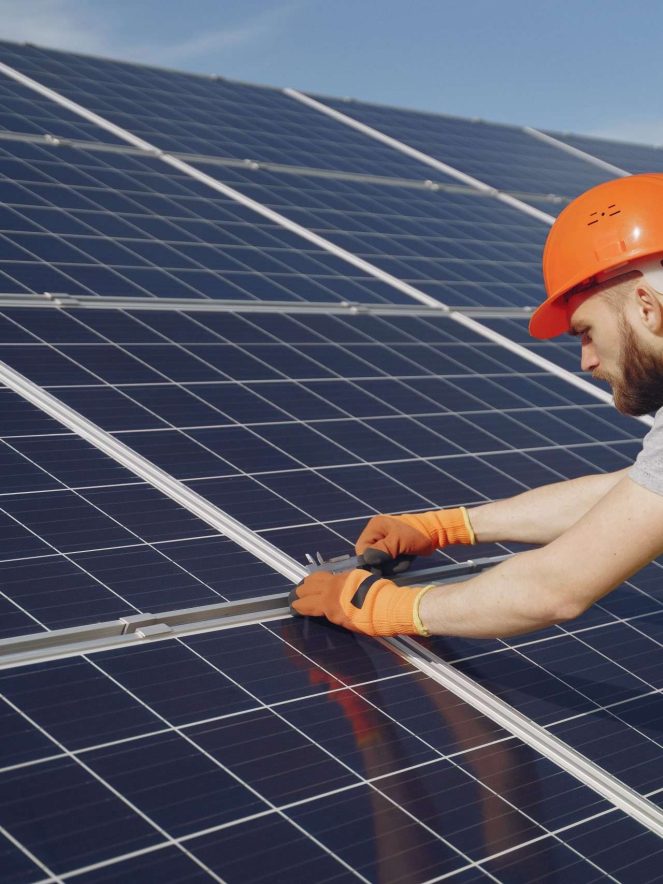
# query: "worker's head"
603,270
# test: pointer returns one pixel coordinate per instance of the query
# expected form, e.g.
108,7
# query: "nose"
588,359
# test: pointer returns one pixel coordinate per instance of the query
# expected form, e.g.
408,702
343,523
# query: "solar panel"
204,115
338,758
461,248
625,155
506,157
172,763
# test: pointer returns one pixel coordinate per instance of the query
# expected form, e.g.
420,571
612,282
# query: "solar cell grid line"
198,114
636,158
497,155
81,222
422,499
588,805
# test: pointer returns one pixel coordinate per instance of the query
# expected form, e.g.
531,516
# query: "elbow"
567,608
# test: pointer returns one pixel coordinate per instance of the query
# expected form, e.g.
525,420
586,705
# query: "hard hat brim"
550,319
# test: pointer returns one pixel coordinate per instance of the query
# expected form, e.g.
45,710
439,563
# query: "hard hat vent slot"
610,211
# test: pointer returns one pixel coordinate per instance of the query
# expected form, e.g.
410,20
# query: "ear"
650,310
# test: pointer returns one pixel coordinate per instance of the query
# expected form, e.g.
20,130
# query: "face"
614,352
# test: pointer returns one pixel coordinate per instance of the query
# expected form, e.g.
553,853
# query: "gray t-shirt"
648,467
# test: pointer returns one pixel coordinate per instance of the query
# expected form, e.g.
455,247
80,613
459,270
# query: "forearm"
541,515
510,599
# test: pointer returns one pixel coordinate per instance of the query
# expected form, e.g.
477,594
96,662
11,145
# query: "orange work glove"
413,534
360,601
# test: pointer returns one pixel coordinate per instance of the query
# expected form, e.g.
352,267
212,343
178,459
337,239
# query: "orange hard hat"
604,231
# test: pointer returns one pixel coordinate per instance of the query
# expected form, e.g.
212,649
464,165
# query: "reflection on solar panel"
176,763
297,394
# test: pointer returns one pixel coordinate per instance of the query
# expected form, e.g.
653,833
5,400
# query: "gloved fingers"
375,530
307,607
292,598
306,598
383,563
374,556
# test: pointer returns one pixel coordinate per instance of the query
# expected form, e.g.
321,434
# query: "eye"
585,337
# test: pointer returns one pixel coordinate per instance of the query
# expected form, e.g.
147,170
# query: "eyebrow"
574,332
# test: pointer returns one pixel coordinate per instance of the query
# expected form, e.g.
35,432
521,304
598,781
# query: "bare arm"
617,537
541,515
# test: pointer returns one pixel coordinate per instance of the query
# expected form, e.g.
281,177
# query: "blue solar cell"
66,521
22,110
164,864
283,846
58,594
618,843
175,683
76,704
247,744
402,848
544,860
177,786
79,821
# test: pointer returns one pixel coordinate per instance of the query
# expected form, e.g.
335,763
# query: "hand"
359,601
413,534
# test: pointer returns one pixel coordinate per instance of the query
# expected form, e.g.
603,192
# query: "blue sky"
590,66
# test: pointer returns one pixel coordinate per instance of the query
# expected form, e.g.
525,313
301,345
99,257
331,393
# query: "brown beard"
639,390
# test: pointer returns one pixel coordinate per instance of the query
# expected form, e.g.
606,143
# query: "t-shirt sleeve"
648,467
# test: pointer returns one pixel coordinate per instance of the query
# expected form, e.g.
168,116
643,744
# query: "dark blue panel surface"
630,157
174,741
93,223
506,157
76,820
70,557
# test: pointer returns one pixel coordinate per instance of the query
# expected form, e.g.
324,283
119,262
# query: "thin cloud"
255,30
75,25
60,24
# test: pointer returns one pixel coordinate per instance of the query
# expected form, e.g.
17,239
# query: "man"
603,270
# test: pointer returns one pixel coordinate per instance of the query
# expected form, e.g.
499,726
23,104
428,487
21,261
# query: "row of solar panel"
90,223
186,113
